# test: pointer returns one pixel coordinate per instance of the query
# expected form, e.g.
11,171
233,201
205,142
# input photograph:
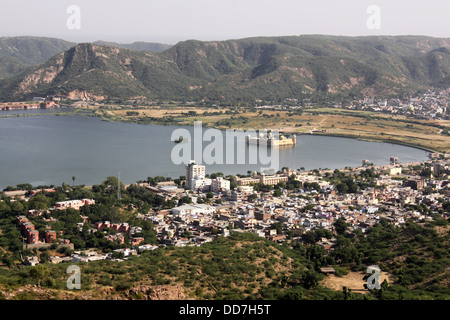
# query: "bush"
121,286
340,271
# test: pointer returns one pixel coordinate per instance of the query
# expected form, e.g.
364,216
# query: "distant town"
432,104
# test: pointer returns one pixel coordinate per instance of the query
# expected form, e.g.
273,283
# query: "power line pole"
118,185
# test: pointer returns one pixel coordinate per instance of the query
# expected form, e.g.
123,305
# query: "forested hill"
263,67
19,53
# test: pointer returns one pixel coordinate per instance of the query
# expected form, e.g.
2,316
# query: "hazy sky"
170,21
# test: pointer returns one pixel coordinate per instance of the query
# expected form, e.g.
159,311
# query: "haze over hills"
263,67
137,46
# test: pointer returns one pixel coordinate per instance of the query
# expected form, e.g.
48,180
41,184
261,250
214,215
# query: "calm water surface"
49,149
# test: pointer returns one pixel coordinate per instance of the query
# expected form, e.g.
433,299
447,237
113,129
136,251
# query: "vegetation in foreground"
245,266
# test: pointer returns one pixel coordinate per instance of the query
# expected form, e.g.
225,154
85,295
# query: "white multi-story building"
74,204
195,176
220,184
200,183
196,209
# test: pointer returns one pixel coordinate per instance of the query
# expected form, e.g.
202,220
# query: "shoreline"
83,113
337,135
309,172
282,130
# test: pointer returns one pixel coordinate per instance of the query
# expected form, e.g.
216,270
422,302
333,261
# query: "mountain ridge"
21,52
249,68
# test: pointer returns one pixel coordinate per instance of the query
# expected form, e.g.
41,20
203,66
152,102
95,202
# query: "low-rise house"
74,204
277,237
89,259
31,261
135,241
56,259
126,252
147,247
327,270
220,184
119,238
196,209
246,222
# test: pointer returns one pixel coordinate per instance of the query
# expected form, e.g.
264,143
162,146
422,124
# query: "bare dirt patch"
353,280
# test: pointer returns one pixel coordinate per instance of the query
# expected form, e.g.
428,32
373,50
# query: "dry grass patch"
353,281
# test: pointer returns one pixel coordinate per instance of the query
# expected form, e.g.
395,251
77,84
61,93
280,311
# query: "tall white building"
195,179
195,176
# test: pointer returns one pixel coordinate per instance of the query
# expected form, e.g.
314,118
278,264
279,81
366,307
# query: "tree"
39,272
186,234
278,226
341,226
39,202
73,180
309,237
347,293
44,257
233,183
185,199
310,279
277,193
17,207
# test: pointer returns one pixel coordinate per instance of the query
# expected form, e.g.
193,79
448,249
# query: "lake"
50,149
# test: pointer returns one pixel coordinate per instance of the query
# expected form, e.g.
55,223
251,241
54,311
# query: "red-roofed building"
33,237
135,241
50,236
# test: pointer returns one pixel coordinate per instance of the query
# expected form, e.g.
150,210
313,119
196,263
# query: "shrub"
121,286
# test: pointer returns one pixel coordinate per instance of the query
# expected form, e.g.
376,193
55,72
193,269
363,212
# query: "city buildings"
196,179
262,178
395,193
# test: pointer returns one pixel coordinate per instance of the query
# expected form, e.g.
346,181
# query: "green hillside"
245,266
263,67
19,53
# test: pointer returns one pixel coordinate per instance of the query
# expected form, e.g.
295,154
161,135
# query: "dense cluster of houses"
285,217
429,105
32,235
121,229
302,210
